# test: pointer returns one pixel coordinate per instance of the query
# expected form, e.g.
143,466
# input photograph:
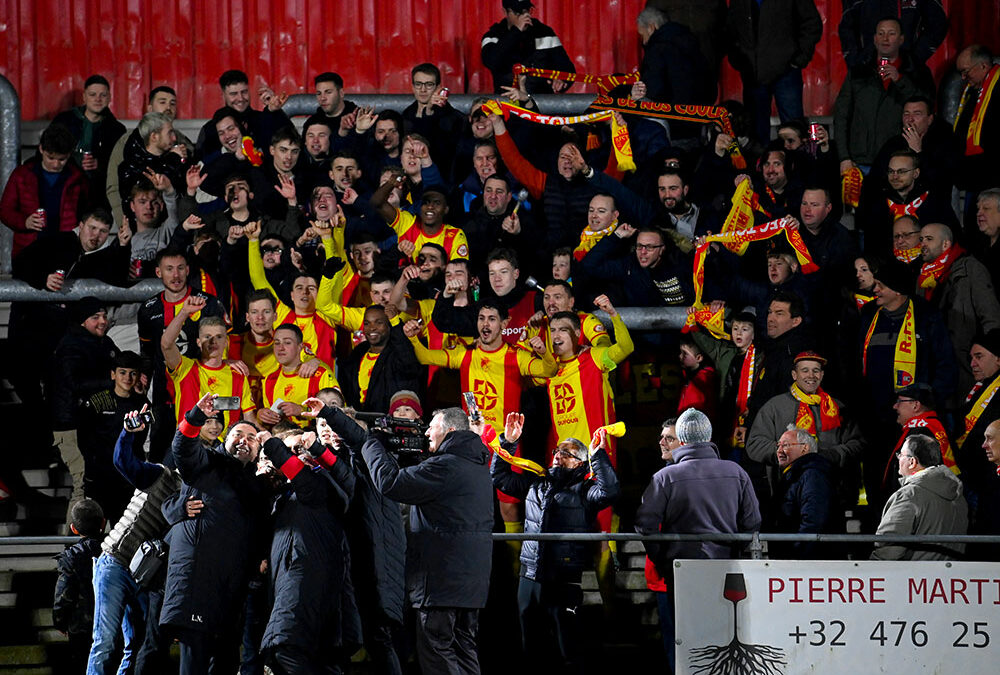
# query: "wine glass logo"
737,658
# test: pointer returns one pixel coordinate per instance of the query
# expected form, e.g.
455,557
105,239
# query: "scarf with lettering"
973,137
908,209
492,441
850,186
759,233
713,322
937,270
978,407
619,132
906,255
929,421
604,82
829,413
701,114
904,360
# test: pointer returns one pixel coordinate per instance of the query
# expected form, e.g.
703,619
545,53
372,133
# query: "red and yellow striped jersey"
452,239
365,369
580,393
593,333
193,379
495,377
294,388
259,357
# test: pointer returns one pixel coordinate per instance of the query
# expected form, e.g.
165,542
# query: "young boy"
73,605
700,389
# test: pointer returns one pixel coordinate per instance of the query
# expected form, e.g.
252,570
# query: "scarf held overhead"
619,132
604,82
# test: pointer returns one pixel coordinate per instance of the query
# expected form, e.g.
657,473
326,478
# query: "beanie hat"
87,307
897,276
989,341
405,397
693,426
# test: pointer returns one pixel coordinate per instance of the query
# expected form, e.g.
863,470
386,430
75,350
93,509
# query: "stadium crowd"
372,263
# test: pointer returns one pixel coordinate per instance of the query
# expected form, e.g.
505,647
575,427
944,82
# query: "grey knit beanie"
693,426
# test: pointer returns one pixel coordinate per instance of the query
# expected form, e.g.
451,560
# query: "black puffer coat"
309,556
564,500
210,557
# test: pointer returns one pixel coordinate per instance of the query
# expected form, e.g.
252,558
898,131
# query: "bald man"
961,288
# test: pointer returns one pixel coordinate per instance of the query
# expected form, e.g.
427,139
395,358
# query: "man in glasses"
929,501
915,413
431,116
903,192
977,125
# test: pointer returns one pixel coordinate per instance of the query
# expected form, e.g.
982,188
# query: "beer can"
444,93
61,273
814,131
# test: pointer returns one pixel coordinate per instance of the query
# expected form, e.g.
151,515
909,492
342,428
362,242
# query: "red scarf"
937,270
929,421
908,209
746,381
906,255
973,136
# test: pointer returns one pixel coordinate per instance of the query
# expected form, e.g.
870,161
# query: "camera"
133,423
404,438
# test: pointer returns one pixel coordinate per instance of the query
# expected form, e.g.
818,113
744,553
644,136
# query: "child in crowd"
73,606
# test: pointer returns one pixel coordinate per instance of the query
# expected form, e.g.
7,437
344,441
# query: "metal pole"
10,156
14,290
564,104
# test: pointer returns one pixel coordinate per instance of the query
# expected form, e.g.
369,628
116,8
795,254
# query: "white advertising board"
785,617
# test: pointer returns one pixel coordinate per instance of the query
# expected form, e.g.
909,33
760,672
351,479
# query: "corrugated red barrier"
48,47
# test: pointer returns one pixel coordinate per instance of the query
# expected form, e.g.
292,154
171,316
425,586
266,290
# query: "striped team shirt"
193,379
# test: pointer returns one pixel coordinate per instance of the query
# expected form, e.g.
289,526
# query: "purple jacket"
699,493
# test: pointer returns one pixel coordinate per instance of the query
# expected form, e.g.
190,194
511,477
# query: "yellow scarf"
829,413
713,322
904,361
974,133
977,409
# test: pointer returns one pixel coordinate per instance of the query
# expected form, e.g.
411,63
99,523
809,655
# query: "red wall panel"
48,47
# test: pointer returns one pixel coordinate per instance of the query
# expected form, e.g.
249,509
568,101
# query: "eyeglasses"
647,247
904,235
272,249
424,85
907,400
965,71
898,172
900,455
785,446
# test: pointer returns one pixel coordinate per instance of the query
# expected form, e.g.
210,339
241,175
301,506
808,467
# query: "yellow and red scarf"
978,407
701,114
850,186
742,237
713,322
937,270
619,132
746,380
927,420
908,209
604,82
860,299
904,361
906,255
829,413
973,137
740,215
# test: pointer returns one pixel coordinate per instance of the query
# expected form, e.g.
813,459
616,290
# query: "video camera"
404,438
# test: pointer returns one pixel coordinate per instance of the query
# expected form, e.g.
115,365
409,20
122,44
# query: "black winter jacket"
810,505
564,500
397,368
451,519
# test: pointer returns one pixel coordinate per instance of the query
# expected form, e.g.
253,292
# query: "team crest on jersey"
211,382
289,388
484,363
486,394
565,398
463,251
599,328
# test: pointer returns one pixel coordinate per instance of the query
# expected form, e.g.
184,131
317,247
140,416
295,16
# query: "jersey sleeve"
608,358
179,373
256,264
595,332
447,358
349,317
246,397
403,222
328,379
531,365
460,247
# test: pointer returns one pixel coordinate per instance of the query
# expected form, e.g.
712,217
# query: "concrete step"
8,600
44,478
42,617
11,529
23,655
625,580
45,563
50,636
57,492
6,581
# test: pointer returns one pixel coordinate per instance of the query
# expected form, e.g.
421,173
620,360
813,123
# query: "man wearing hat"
81,363
902,340
806,406
521,38
697,493
914,412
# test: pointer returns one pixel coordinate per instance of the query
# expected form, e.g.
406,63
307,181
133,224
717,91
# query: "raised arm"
168,341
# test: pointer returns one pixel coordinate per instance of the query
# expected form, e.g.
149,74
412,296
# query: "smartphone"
226,403
471,407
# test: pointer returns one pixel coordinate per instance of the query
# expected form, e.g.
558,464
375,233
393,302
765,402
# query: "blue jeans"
119,605
665,609
787,94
